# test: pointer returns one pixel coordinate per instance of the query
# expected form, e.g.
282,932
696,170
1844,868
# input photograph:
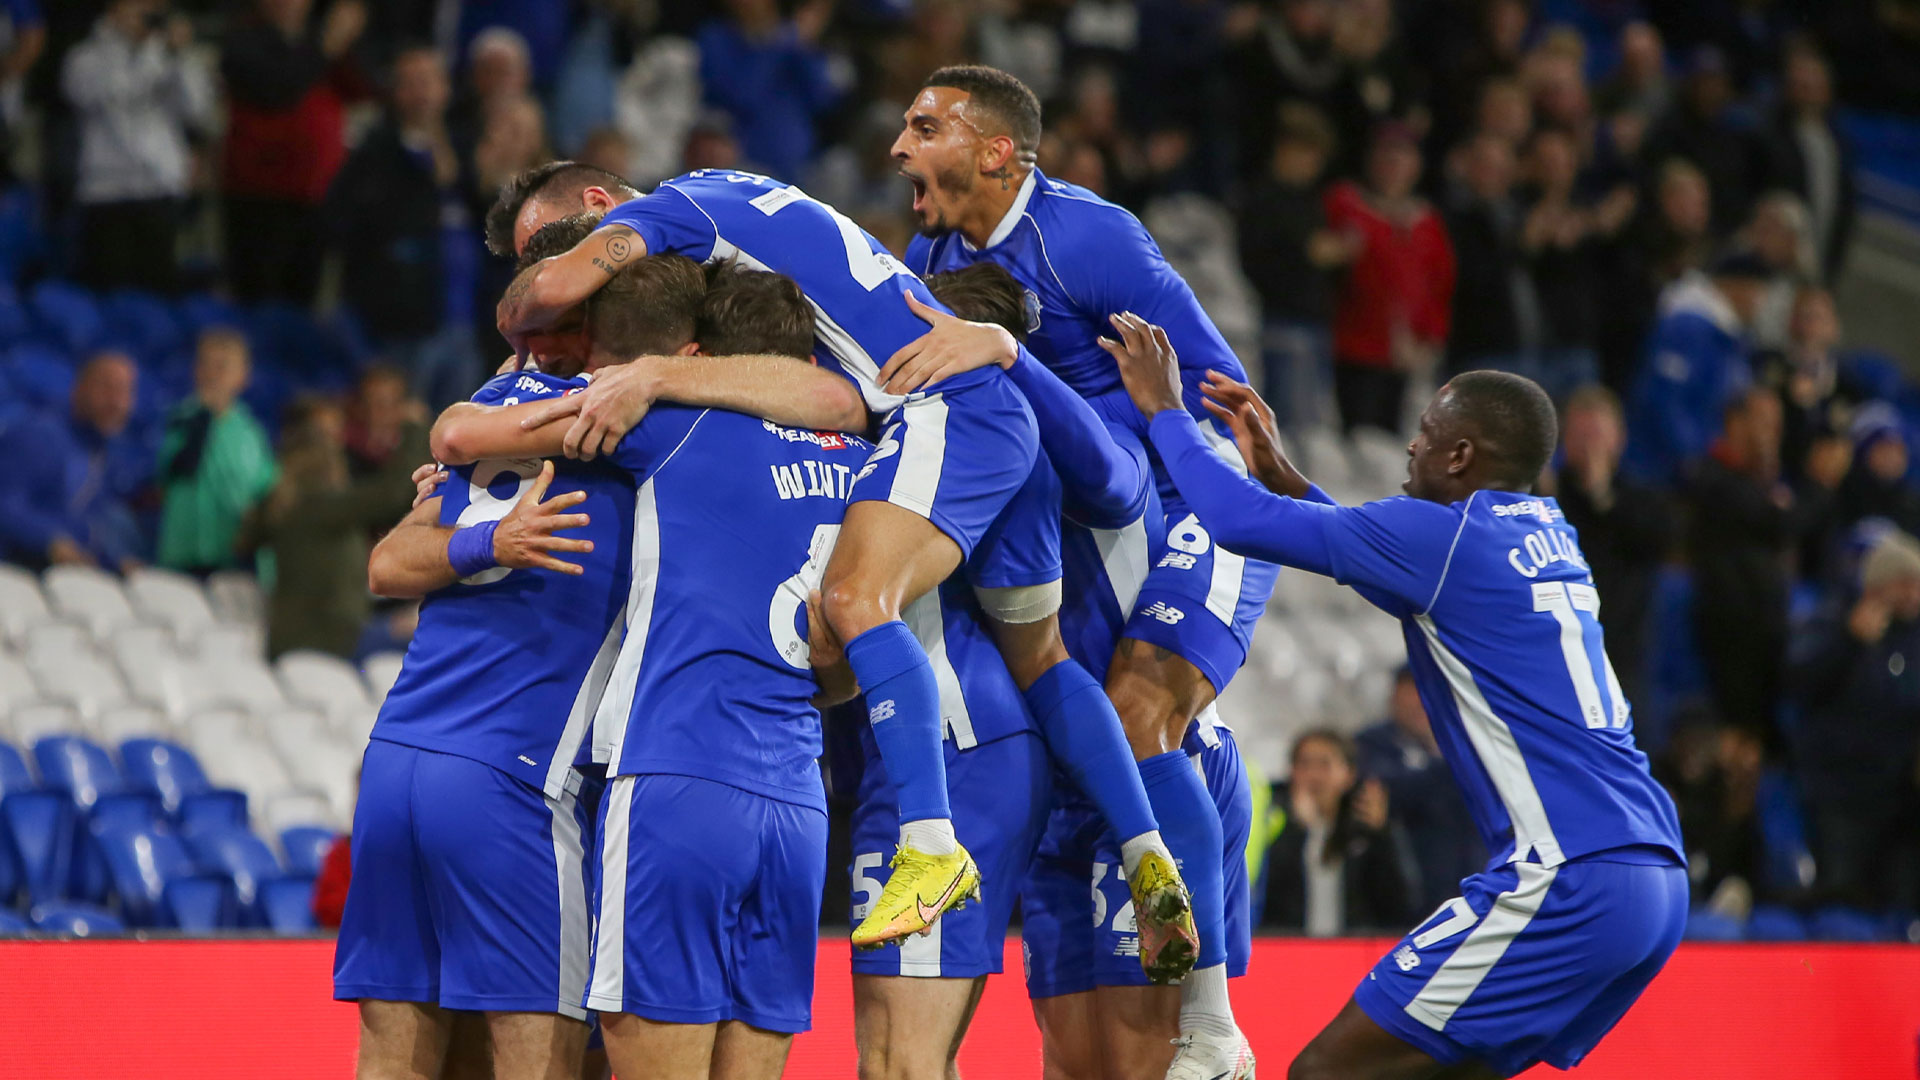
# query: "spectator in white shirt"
138,97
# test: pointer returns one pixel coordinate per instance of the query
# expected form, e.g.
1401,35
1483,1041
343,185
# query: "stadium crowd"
242,256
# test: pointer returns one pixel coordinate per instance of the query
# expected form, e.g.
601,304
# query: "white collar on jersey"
1014,212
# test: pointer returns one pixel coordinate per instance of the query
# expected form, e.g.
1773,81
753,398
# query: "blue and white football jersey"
1503,634
734,519
507,666
858,291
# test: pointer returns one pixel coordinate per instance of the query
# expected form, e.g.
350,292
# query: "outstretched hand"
612,405
525,537
1254,432
1148,365
952,347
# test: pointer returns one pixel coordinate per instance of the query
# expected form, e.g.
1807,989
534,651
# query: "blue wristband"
470,549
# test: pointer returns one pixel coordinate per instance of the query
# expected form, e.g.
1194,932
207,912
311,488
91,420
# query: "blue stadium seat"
306,847
1704,925
67,315
16,322
288,904
155,879
201,311
144,324
38,374
1773,922
12,923
170,773
1846,924
242,858
80,920
22,241
40,827
77,767
14,774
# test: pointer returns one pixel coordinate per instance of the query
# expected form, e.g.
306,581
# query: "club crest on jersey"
1030,303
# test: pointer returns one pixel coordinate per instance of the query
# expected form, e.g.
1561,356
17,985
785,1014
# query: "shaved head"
1509,417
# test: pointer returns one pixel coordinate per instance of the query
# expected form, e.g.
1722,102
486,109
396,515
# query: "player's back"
1082,259
734,520
506,667
857,290
1503,633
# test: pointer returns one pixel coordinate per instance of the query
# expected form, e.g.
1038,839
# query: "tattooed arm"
550,287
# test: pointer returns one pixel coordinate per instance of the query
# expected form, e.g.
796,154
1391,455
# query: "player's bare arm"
411,560
777,388
544,291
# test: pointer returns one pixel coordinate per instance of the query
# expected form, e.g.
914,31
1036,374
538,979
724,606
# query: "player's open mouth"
919,189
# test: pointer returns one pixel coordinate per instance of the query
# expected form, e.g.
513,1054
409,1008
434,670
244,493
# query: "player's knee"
852,608
1316,1062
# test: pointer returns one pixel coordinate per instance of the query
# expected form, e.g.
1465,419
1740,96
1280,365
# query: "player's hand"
426,481
1370,804
1254,432
1148,364
525,537
62,551
603,413
952,347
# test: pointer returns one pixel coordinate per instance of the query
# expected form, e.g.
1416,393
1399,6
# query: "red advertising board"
262,1009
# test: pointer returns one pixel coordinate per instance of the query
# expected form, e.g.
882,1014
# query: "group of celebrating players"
665,544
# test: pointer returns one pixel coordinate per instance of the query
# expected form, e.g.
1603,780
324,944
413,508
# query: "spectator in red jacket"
287,84
330,885
1391,316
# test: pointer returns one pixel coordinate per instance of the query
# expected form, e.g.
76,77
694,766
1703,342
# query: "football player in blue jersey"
470,887
947,465
968,147
1586,894
712,839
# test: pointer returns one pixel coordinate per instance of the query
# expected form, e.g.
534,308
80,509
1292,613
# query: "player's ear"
597,200
691,348
1461,459
996,153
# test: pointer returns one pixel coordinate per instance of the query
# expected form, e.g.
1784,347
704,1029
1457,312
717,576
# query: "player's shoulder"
1075,213
513,387
1515,507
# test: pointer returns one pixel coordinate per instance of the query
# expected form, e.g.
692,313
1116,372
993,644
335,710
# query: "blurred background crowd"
240,263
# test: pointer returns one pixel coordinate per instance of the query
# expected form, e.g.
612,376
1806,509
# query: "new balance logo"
1406,958
1179,560
882,710
1159,610
528,760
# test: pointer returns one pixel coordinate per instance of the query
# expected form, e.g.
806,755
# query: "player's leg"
506,880
637,1046
402,1040
911,1028
537,1046
469,1049
677,855
1085,736
744,1052
942,473
1353,1047
388,954
1070,1044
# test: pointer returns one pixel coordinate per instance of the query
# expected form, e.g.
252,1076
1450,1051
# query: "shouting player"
947,465
712,845
1586,894
968,147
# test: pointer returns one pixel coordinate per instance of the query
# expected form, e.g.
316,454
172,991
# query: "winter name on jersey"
812,479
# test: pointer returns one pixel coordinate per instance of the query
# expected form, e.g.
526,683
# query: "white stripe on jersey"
568,859
927,621
854,360
616,705
1124,556
923,452
920,953
1223,591
1499,755
1460,974
608,990
561,775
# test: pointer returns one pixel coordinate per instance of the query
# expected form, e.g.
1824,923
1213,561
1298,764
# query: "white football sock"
1204,1008
931,835
1131,850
